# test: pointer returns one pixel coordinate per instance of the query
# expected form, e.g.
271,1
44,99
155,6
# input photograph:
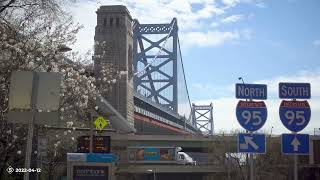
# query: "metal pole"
251,166
248,164
154,174
295,164
30,125
229,167
91,133
295,169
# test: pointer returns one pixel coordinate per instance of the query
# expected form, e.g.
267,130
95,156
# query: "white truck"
184,158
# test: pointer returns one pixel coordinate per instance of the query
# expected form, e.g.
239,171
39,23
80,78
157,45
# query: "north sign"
251,143
295,115
294,91
295,144
251,114
251,91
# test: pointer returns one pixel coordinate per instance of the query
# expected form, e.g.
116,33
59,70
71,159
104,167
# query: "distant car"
184,158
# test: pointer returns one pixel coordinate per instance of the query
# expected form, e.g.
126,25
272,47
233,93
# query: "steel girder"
143,78
202,117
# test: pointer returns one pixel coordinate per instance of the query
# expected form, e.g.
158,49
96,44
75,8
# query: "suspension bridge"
150,104
152,56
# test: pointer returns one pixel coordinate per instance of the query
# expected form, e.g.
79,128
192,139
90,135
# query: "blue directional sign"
294,90
251,91
251,143
251,114
295,144
295,115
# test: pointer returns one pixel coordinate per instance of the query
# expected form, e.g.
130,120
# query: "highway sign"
251,91
294,91
251,143
295,115
295,144
100,123
251,114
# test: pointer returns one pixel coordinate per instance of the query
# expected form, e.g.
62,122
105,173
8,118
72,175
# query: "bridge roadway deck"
125,140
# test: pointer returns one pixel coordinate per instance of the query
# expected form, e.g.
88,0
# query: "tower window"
117,22
130,60
111,21
104,22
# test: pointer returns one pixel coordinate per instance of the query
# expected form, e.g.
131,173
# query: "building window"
117,21
111,21
104,22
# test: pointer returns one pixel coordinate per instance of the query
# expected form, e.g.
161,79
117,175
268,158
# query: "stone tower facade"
113,48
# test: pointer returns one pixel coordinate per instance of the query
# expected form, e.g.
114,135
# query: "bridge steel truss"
145,79
202,116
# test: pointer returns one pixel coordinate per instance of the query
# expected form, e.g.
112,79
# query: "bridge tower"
155,62
202,117
113,49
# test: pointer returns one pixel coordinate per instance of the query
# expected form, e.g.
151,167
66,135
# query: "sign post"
30,92
251,115
295,116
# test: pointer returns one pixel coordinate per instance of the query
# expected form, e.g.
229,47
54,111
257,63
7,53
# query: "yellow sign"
100,123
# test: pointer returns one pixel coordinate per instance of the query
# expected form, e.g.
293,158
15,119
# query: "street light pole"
240,78
154,173
250,155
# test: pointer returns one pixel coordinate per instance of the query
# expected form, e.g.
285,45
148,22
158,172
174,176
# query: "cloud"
316,42
312,77
225,108
85,37
232,18
209,38
214,24
155,11
193,22
231,2
214,37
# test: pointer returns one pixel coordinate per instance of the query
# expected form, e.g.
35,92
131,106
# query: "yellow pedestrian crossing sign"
100,123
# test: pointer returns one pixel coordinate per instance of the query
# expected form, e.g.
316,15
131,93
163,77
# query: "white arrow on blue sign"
251,143
295,144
